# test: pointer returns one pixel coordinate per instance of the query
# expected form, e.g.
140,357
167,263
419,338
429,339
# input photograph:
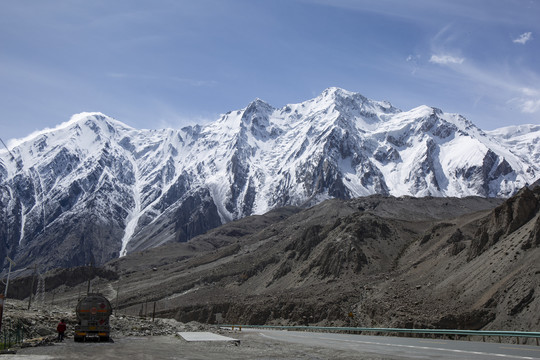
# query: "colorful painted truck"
93,312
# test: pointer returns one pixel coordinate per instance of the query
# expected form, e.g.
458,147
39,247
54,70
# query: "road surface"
273,345
404,347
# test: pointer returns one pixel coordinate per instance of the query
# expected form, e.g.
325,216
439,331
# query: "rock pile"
38,325
124,325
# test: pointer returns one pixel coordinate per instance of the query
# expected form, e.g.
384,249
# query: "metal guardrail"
387,331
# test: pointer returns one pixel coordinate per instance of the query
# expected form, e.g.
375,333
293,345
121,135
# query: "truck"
93,312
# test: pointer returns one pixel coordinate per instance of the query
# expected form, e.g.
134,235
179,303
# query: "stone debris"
39,325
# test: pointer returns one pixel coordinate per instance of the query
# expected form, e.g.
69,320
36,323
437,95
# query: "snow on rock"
94,188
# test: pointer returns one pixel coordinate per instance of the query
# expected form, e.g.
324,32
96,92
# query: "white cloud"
523,38
446,59
413,60
530,106
529,103
496,84
530,92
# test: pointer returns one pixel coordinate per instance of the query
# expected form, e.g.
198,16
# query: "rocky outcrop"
534,237
507,218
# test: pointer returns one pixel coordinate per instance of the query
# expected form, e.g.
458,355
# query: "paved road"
274,345
253,346
406,348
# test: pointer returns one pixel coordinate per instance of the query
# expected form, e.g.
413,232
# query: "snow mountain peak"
258,104
94,188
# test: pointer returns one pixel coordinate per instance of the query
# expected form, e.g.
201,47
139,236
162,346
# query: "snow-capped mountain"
522,139
93,188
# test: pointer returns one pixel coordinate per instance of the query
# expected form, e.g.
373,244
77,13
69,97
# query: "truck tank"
93,312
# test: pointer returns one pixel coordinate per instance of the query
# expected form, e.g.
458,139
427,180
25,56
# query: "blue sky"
171,63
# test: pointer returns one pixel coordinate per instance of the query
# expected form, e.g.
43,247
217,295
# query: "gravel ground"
40,322
252,346
135,338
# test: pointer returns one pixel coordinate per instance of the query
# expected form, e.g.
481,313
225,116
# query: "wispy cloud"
446,59
445,45
195,82
131,76
422,11
528,102
508,85
523,38
495,82
413,59
530,106
191,82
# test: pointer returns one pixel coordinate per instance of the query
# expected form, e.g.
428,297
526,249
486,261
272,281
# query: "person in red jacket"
61,328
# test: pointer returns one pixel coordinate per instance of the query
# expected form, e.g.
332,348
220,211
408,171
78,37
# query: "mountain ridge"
142,188
432,262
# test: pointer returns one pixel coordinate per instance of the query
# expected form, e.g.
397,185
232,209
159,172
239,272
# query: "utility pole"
32,286
3,296
117,294
40,293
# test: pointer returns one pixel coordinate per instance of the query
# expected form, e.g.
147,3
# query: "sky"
171,63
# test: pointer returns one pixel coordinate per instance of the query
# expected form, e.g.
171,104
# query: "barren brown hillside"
408,262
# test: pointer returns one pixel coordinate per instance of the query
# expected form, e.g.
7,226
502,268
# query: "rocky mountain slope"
406,262
93,189
466,263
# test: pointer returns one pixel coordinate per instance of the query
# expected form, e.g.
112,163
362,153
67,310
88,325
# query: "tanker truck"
93,312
